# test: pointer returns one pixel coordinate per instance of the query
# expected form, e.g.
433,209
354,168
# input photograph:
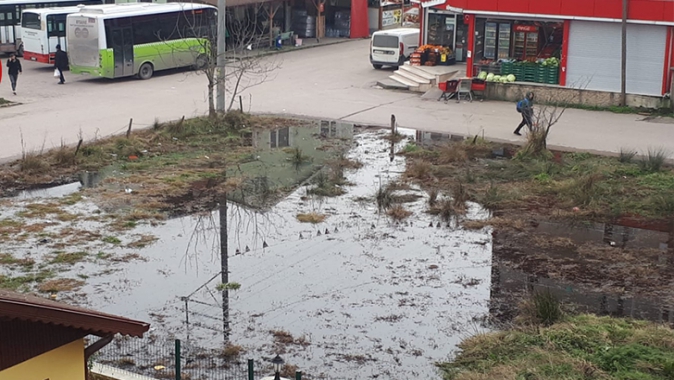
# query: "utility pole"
623,58
222,45
224,266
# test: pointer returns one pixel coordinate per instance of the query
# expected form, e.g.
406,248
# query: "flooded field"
355,295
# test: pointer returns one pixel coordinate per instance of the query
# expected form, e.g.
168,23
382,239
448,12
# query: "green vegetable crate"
530,73
552,75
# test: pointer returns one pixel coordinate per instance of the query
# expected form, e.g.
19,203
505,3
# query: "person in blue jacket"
525,107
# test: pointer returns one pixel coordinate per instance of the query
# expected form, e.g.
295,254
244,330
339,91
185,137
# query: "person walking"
13,70
60,63
525,107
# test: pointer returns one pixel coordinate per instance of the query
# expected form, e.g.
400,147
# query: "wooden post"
79,144
241,103
128,131
393,135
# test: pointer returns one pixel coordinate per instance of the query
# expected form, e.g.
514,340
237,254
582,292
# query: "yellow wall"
63,363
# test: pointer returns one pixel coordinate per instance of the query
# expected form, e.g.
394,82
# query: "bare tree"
548,112
246,66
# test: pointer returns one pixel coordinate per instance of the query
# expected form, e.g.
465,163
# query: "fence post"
251,369
178,369
298,375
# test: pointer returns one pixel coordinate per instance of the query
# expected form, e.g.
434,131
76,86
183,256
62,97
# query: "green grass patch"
68,257
601,188
111,240
576,348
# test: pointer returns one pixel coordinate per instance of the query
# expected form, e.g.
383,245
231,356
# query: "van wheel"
376,67
146,71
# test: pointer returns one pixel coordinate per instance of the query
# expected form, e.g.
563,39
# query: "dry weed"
312,217
420,170
60,285
398,212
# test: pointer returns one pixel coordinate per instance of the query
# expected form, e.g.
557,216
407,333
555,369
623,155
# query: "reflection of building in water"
291,136
612,234
432,138
336,129
509,285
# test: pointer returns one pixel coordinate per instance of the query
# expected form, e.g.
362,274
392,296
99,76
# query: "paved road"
334,82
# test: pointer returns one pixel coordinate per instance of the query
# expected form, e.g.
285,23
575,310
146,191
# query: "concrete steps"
414,78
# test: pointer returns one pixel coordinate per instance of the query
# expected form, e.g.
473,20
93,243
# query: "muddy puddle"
357,295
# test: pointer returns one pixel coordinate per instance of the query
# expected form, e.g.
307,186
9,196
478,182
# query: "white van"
393,47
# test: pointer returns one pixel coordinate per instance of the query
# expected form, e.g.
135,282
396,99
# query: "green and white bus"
121,40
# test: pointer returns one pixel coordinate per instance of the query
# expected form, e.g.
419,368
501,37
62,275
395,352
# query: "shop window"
441,29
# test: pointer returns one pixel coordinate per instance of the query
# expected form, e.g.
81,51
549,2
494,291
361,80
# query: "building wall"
62,363
650,10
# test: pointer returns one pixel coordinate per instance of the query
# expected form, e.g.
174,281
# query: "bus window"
31,21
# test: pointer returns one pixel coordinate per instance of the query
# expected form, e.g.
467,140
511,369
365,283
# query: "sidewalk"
307,43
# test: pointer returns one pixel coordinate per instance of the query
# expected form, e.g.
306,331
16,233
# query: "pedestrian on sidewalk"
13,70
525,107
60,63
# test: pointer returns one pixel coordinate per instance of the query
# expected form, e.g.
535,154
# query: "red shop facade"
583,35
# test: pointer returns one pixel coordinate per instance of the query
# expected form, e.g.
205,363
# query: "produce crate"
507,68
530,73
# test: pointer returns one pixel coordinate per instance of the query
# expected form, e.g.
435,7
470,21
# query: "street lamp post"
278,363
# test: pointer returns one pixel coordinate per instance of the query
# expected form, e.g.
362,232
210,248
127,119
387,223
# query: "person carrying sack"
525,107
60,64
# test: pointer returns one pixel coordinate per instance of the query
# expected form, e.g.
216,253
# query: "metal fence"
162,358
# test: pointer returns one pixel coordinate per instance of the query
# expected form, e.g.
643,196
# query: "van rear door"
385,48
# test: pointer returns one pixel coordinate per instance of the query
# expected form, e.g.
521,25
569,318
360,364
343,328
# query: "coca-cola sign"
526,28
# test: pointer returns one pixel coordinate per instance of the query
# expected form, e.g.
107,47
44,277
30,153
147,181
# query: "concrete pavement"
332,82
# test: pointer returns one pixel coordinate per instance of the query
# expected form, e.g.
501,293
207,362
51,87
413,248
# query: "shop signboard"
391,18
526,28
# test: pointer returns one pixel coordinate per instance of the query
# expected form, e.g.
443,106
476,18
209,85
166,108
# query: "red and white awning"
437,3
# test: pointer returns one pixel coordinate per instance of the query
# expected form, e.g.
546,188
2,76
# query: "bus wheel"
146,71
19,53
201,62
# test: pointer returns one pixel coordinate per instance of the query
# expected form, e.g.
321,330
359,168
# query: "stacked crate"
552,75
415,59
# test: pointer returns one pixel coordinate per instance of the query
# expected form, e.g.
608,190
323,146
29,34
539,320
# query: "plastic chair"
450,90
465,90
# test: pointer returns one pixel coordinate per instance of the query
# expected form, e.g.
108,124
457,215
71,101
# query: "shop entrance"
524,48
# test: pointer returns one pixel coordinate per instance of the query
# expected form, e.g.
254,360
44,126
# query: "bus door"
56,34
7,23
122,51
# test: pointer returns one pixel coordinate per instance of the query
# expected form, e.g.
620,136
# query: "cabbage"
497,78
490,77
511,77
482,75
504,79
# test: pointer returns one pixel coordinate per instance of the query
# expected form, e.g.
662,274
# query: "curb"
298,48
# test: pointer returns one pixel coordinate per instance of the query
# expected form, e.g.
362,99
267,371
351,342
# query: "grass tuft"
33,163
653,161
384,197
398,212
626,155
312,217
420,170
